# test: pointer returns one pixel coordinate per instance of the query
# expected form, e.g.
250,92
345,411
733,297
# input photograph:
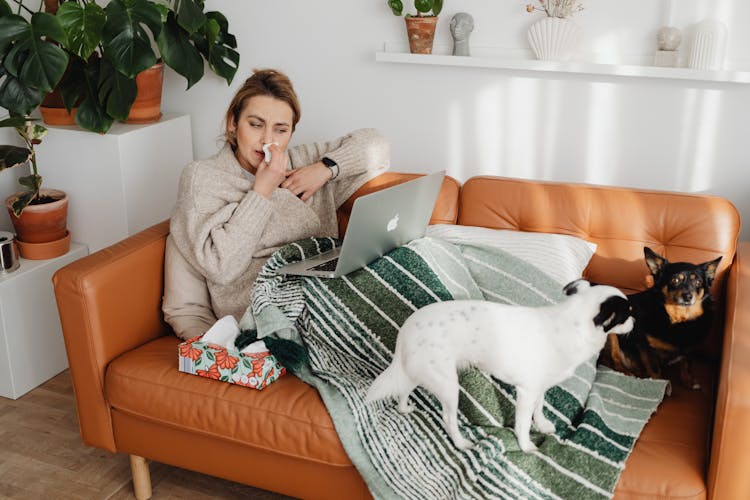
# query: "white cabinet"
31,341
120,182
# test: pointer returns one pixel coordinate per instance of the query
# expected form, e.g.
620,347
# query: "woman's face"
264,119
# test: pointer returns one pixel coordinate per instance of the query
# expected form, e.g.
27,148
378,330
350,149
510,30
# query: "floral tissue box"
254,369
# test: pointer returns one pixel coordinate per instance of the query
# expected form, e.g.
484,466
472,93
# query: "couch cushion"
669,459
287,417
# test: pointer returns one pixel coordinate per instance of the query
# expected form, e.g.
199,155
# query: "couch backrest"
678,226
446,206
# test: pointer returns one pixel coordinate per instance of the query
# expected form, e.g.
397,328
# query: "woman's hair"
268,82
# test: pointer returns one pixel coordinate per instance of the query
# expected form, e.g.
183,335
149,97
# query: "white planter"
554,39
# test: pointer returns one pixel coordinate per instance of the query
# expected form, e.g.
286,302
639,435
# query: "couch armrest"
730,451
109,303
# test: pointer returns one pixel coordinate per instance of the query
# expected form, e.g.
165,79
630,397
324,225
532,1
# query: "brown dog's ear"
655,263
709,269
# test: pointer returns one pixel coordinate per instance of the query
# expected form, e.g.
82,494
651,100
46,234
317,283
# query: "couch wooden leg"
141,477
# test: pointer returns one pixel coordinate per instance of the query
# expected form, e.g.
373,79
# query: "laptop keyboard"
325,266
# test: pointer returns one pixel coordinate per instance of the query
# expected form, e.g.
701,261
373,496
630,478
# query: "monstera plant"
93,53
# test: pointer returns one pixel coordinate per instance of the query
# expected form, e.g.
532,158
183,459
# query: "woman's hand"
305,181
269,176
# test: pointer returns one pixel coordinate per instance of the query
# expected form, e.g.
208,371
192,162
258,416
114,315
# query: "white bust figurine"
462,24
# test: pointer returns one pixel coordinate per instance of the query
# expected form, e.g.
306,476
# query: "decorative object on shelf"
420,28
8,253
555,37
462,24
94,54
709,46
39,216
668,40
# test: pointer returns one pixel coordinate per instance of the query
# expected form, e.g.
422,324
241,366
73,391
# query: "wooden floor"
42,457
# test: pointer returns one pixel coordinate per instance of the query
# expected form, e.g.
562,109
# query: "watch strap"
332,165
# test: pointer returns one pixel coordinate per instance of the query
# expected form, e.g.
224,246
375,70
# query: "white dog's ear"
576,286
613,312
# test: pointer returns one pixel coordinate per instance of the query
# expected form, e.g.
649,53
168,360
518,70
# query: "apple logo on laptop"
393,223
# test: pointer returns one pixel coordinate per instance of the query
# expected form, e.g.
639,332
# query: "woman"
235,209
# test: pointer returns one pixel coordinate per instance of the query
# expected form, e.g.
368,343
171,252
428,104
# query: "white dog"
532,348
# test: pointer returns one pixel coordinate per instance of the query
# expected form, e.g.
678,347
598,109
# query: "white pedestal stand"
31,342
117,183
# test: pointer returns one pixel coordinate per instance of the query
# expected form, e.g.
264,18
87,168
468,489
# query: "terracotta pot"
53,110
421,33
41,223
48,250
147,105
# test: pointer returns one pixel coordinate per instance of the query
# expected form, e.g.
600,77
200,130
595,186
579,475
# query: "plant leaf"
222,58
190,15
178,53
397,7
18,98
72,85
116,91
437,7
13,156
12,28
22,201
423,6
91,114
15,121
83,26
31,182
34,60
5,9
126,42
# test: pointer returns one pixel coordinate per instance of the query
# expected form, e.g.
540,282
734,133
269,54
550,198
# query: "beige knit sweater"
221,232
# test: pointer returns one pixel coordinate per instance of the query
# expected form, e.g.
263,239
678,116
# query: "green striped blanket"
349,326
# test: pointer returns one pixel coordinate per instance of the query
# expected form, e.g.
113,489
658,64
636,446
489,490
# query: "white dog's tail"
392,382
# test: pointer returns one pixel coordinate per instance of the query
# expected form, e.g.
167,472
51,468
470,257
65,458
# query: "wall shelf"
514,60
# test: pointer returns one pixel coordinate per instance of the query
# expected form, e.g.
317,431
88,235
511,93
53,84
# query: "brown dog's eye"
676,280
698,283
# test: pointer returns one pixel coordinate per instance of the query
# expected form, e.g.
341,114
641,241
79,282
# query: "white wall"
673,135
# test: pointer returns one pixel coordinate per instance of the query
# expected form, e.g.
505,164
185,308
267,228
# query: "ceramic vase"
554,39
710,46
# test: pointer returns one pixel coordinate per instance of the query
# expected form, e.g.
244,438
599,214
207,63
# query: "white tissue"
224,332
267,152
257,346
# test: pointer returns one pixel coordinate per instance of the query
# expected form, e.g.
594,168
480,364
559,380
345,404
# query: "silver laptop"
380,222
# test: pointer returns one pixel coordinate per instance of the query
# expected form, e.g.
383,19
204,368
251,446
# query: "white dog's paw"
462,443
405,409
527,446
545,426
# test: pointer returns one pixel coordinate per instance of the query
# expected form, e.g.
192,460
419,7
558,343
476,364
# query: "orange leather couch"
132,399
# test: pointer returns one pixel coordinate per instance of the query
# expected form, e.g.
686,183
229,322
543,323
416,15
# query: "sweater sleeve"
187,304
218,222
360,155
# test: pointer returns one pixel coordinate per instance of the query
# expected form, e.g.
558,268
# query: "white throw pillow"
561,256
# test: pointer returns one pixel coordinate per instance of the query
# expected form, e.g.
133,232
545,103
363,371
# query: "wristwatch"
332,165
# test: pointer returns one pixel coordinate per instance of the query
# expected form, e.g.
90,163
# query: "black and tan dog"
672,319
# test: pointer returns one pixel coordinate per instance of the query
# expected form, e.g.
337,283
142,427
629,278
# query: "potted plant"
95,55
39,215
420,28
